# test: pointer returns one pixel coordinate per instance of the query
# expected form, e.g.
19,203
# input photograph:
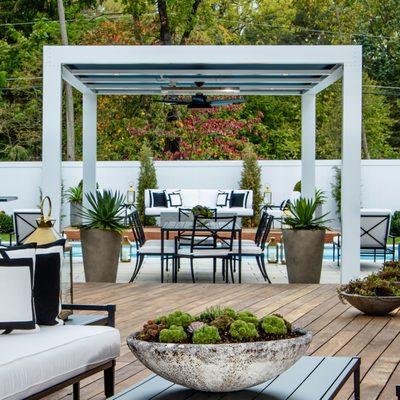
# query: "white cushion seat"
239,211
204,252
156,211
155,248
32,362
250,250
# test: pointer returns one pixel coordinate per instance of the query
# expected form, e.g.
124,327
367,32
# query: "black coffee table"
311,378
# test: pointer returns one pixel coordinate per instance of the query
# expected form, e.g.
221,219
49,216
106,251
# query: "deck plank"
338,328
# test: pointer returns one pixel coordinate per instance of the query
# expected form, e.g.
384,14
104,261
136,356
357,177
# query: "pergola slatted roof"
216,79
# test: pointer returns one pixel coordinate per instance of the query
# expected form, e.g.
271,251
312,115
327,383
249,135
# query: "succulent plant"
179,318
223,322
215,312
151,330
194,326
174,334
274,325
248,316
206,335
243,330
162,319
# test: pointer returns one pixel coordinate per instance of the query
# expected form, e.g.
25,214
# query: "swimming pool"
328,251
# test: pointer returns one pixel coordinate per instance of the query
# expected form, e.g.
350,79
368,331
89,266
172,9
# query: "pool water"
328,251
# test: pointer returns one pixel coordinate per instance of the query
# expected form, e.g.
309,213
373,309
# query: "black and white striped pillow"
17,310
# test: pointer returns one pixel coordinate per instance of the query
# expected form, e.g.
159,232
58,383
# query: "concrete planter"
220,367
304,251
100,251
74,210
372,305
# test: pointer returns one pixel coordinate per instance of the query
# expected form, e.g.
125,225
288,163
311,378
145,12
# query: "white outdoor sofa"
35,364
205,197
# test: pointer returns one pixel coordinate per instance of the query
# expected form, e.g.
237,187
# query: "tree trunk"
68,89
165,33
190,23
364,142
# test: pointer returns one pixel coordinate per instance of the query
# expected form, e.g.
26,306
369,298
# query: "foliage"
251,180
297,187
336,187
382,283
206,335
202,211
6,223
74,194
274,325
147,180
302,214
395,224
243,330
104,211
247,316
179,318
174,334
216,325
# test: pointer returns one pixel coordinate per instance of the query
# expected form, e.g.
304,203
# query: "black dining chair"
220,231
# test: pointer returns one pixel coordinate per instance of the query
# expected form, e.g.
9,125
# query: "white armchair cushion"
30,363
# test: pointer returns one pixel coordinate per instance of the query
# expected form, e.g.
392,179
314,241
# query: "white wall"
380,188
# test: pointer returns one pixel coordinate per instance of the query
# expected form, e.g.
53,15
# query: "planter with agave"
74,196
101,235
220,350
303,238
376,294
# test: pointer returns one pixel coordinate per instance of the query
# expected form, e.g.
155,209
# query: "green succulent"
215,312
243,330
248,316
274,325
222,323
174,334
179,318
206,335
162,319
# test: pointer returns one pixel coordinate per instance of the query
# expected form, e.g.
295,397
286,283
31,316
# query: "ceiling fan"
199,99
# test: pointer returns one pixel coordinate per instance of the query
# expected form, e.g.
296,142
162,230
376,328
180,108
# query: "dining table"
182,227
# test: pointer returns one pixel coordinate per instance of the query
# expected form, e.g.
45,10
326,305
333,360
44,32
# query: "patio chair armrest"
110,308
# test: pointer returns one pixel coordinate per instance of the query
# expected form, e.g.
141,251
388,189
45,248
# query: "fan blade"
217,103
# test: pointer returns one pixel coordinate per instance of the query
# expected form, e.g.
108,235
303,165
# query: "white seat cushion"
154,247
250,250
204,252
30,363
239,211
156,211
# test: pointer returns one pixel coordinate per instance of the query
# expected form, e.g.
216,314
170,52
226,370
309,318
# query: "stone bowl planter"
372,305
220,367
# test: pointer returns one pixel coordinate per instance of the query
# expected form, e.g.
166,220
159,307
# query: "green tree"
251,180
147,180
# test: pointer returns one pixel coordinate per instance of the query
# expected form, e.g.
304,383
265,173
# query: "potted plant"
376,294
219,350
101,235
202,211
303,238
74,195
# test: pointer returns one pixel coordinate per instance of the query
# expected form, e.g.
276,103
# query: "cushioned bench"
31,363
158,201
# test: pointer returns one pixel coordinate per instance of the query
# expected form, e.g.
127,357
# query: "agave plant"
303,213
74,194
104,212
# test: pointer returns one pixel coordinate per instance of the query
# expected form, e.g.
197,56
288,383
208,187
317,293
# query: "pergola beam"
329,80
74,81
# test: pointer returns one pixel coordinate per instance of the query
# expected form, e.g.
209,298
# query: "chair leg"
192,270
166,263
234,264
231,268
139,266
214,268
223,270
76,391
260,267
262,258
333,252
135,270
225,264
109,381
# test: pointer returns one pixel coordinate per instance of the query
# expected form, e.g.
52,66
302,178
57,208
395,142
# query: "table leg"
240,256
357,383
162,255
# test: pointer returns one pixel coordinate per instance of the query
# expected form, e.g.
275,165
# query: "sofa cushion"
30,363
158,199
174,199
208,198
239,198
190,198
156,211
239,211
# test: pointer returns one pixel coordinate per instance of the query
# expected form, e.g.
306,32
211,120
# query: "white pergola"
223,70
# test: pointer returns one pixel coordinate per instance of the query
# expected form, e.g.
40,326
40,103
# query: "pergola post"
51,134
308,117
89,143
351,170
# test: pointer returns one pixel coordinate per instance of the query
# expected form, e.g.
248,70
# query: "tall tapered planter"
304,251
100,251
75,214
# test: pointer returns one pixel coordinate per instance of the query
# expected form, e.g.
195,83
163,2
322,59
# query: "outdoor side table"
311,378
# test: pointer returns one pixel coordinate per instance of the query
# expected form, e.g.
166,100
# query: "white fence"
380,182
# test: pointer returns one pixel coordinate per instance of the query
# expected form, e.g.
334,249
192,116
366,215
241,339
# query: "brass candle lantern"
267,199
130,195
272,251
126,250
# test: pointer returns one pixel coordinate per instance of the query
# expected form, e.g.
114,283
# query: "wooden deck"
338,329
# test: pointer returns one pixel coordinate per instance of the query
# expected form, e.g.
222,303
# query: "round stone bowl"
372,305
220,367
